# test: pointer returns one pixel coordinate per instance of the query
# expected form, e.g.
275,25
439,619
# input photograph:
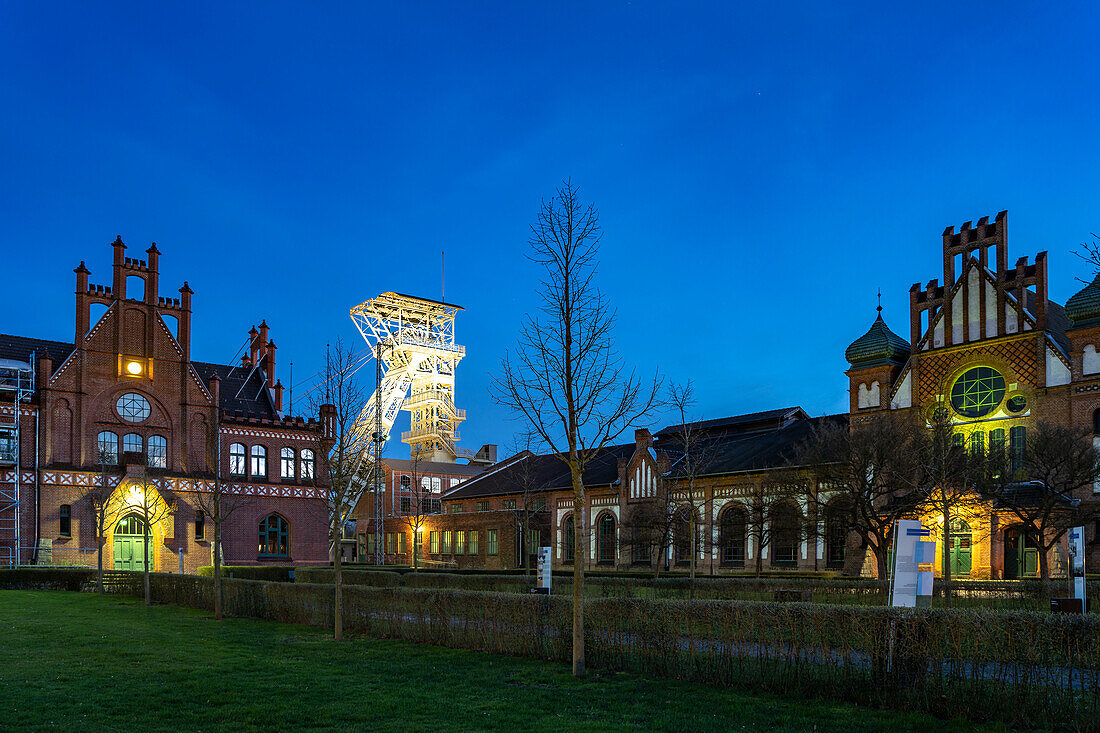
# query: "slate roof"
19,348
878,345
731,452
242,388
541,473
1084,306
450,469
766,420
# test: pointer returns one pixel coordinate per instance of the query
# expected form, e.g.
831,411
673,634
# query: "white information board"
1077,563
911,550
544,568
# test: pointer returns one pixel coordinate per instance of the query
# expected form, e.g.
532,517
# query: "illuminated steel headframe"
414,342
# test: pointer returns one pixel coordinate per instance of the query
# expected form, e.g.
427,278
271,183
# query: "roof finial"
879,294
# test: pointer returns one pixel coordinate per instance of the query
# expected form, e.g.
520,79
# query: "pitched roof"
746,452
450,469
750,422
546,472
20,348
242,388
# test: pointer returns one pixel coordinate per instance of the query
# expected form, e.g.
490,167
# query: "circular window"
1017,403
133,407
977,392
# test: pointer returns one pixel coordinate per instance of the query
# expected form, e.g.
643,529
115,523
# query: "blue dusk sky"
761,169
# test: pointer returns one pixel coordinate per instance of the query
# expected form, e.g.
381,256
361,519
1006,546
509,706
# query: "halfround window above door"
978,392
132,407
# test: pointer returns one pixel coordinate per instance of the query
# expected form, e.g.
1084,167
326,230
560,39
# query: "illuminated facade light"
133,367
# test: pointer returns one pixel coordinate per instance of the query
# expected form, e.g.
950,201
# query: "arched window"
568,540
286,463
107,448
237,459
785,534
732,525
130,524
681,536
308,463
836,534
259,461
606,540
132,443
274,536
158,451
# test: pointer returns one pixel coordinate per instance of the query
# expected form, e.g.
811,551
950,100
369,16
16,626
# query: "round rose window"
978,392
132,407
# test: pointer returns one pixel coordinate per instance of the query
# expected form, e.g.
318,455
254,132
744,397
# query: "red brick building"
125,403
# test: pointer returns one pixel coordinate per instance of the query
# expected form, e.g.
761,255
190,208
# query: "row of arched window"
785,533
155,448
252,462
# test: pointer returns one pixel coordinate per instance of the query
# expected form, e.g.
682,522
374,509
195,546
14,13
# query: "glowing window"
978,392
274,536
132,407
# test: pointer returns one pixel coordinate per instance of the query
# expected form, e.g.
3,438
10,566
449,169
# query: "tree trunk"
338,589
99,563
148,594
578,573
883,565
694,553
947,556
217,570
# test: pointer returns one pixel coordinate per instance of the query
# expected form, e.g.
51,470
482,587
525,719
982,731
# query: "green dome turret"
879,345
1084,306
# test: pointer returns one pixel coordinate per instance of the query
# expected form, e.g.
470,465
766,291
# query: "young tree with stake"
565,377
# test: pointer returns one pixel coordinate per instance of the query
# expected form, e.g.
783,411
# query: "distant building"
125,400
988,345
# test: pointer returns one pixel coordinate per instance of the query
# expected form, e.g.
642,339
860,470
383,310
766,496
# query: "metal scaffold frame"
16,380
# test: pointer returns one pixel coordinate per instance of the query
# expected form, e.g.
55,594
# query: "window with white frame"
259,461
286,463
308,463
237,463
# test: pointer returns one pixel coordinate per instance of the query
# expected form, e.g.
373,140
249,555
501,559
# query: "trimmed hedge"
1028,669
277,573
51,578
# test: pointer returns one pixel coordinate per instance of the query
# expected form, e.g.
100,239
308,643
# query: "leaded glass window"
978,392
132,407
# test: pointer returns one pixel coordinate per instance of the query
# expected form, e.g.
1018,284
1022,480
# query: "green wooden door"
960,545
129,544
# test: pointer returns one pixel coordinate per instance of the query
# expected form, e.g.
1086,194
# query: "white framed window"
237,459
286,463
308,464
259,461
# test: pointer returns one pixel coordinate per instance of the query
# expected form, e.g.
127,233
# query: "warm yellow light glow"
133,367
135,495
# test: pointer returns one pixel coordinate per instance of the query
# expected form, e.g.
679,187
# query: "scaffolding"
16,389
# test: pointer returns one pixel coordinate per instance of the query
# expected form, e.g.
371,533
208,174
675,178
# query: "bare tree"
102,500
565,377
340,401
695,457
1039,481
864,476
1090,253
217,504
413,503
152,508
946,481
771,503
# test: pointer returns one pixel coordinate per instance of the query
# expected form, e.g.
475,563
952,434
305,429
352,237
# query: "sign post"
544,571
1077,565
911,586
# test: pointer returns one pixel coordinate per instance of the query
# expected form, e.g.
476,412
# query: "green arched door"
129,544
959,542
1021,554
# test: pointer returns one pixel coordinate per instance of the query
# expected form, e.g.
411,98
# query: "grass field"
85,662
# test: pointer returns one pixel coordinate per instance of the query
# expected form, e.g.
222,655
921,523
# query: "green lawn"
85,662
